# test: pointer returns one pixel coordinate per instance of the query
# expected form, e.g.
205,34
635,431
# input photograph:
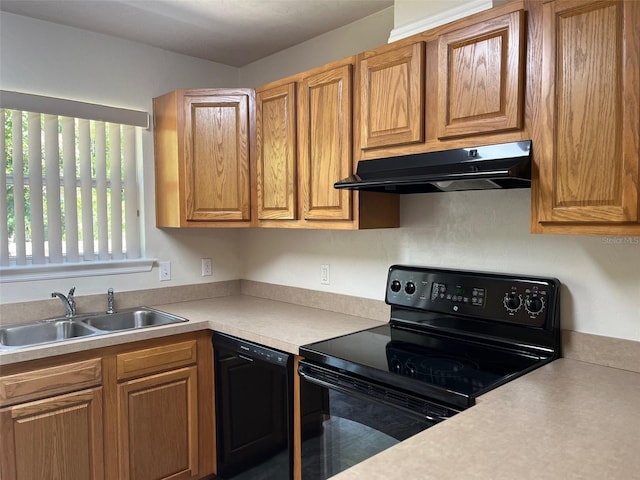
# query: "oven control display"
491,297
458,293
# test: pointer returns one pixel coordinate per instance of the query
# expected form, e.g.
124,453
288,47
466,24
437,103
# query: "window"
70,194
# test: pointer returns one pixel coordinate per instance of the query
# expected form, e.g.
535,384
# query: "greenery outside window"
69,204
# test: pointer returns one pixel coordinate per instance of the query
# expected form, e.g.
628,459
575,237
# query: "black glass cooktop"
450,370
452,335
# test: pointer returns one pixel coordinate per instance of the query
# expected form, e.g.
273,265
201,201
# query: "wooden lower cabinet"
58,437
139,411
158,426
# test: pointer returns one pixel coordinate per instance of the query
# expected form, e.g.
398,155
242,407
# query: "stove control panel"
513,299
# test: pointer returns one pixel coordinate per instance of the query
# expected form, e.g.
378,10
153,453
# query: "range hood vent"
505,165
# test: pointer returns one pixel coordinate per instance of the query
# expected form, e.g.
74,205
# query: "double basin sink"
81,326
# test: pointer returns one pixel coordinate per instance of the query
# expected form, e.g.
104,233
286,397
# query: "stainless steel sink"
84,325
139,318
43,332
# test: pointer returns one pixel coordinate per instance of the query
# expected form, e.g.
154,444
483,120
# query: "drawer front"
46,382
156,359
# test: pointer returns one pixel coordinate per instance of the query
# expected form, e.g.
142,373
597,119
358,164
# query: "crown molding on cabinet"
441,18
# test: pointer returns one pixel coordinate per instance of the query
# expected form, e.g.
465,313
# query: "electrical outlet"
325,271
165,271
206,267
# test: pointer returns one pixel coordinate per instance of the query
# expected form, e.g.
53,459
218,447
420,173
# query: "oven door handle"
369,397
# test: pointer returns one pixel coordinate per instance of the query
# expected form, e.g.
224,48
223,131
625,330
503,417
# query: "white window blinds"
69,187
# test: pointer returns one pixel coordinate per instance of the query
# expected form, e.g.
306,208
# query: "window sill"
25,273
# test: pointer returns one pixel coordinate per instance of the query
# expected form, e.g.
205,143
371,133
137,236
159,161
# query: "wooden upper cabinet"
390,104
588,157
203,151
325,143
304,139
480,77
217,157
276,165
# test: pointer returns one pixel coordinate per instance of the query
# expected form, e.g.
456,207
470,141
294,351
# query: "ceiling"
233,32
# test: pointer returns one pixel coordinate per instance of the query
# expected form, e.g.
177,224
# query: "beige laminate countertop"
566,420
272,323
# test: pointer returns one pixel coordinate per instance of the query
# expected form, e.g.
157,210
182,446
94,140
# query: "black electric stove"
452,336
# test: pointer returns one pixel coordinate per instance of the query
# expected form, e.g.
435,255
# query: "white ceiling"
233,32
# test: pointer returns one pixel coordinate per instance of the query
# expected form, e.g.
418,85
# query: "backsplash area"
40,309
611,352
481,230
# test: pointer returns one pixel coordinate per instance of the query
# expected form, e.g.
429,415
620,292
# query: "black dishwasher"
254,410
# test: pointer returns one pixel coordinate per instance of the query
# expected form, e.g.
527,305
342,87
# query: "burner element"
437,365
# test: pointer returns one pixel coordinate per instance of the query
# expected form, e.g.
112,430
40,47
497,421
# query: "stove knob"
396,366
512,302
396,286
410,370
534,305
410,288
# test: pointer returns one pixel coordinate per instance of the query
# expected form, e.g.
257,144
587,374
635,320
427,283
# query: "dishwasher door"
254,410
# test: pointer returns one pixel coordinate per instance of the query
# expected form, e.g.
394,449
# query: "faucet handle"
110,301
71,292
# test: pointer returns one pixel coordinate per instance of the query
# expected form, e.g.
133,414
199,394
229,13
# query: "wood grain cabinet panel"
480,77
141,411
49,381
217,157
57,437
156,359
203,149
304,145
391,96
324,149
158,426
276,166
588,155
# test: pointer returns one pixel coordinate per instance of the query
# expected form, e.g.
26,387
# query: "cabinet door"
480,77
158,426
252,402
216,157
392,97
57,437
588,159
324,136
276,144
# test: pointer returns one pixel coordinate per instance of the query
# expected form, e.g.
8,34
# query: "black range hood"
505,165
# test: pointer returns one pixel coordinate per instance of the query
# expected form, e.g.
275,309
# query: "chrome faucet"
110,301
69,302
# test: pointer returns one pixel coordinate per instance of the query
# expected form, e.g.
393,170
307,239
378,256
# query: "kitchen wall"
486,230
48,59
356,37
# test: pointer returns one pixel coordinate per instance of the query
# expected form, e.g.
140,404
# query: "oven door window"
340,430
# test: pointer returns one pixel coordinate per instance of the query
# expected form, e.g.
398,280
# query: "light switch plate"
165,271
325,274
207,269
